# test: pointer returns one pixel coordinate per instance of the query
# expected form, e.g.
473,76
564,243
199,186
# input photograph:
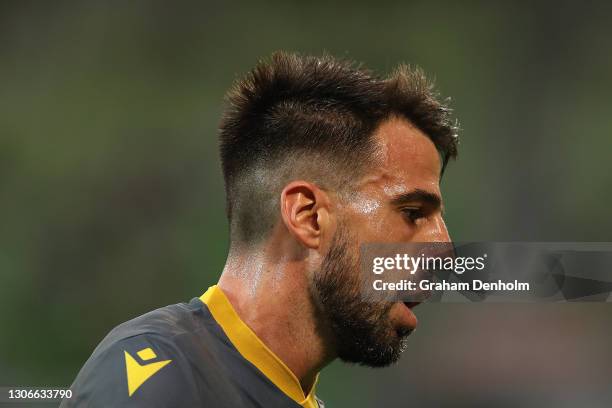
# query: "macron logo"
138,374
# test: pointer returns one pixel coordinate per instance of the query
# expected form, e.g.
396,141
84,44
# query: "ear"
306,212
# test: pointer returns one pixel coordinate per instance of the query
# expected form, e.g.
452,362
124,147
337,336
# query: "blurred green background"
111,195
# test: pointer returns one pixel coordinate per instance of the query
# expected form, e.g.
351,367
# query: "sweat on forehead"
406,159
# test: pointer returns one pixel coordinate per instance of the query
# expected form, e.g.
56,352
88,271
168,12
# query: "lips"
407,321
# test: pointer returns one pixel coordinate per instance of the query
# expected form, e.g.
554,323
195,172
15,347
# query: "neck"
271,295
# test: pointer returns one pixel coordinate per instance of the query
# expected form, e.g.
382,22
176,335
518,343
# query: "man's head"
330,156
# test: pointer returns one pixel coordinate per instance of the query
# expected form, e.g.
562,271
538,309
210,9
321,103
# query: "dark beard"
361,329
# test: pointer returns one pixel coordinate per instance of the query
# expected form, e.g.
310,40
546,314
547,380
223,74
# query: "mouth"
407,320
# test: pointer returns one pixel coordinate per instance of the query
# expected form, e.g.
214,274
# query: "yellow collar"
254,350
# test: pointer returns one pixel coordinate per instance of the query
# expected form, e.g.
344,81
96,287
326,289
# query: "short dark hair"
307,116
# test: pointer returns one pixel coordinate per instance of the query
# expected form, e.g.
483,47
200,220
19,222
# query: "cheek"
374,222
366,218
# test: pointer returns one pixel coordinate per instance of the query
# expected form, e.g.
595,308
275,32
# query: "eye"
413,214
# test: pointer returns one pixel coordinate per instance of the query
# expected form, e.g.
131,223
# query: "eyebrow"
423,196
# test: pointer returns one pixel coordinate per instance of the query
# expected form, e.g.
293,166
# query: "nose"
441,231
436,231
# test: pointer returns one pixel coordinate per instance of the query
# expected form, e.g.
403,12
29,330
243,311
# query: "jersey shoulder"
142,363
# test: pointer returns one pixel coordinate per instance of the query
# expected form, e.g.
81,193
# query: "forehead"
407,160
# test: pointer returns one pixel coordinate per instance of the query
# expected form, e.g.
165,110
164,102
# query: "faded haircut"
313,118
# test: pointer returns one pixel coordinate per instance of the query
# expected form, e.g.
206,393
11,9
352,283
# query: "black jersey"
196,354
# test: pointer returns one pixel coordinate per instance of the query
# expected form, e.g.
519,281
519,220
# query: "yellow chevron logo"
137,374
